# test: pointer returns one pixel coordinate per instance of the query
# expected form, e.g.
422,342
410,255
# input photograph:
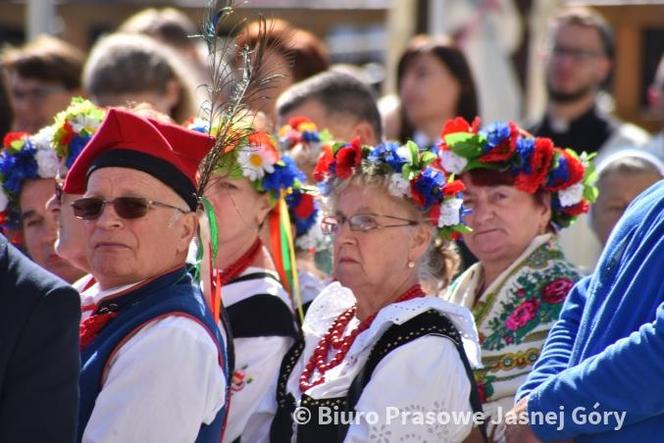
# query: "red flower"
295,122
459,124
575,168
305,207
453,188
556,291
69,134
263,139
348,158
12,137
505,150
523,313
482,392
580,208
434,214
540,165
323,166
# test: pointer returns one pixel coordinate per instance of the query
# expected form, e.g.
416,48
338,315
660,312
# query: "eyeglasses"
360,222
576,54
91,208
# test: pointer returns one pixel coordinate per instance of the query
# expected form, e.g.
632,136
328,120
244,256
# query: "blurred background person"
126,68
435,84
621,178
293,53
335,101
173,28
43,77
578,65
581,51
656,98
28,168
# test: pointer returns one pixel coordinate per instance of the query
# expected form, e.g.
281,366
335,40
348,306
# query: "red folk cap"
166,151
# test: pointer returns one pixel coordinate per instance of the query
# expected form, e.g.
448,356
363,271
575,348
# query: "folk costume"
515,312
413,355
154,363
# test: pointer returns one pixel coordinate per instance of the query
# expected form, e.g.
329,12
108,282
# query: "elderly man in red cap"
154,365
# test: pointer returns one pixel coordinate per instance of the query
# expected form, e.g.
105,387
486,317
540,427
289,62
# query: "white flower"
47,162
450,212
81,122
404,152
399,186
256,161
42,139
571,196
452,162
4,200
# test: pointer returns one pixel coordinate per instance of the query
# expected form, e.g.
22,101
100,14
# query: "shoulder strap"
261,315
428,323
281,429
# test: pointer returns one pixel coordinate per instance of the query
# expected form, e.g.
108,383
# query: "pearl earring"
411,264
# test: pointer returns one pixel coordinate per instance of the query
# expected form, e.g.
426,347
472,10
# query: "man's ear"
365,131
187,227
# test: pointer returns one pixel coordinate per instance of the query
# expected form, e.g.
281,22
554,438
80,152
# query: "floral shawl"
514,315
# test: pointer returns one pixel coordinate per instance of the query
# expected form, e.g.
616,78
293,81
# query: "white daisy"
571,196
399,186
81,122
452,162
450,212
255,162
47,163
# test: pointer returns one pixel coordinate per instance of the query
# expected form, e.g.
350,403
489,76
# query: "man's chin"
561,96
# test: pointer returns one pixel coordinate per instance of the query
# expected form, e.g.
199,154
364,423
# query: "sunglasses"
91,208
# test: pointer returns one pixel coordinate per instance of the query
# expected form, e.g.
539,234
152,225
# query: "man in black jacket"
39,352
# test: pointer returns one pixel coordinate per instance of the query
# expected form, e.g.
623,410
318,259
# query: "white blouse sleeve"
253,405
411,393
161,386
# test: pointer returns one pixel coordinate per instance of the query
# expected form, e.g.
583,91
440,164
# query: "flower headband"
534,162
257,159
301,134
23,157
412,174
73,128
304,211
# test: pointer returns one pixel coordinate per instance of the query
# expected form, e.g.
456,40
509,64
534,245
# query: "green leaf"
428,157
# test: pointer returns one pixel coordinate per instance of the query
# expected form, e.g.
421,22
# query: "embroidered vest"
172,294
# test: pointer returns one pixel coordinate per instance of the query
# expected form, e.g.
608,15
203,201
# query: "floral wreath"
257,159
301,134
534,162
305,213
73,129
413,174
23,157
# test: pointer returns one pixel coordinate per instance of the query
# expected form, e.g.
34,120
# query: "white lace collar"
335,299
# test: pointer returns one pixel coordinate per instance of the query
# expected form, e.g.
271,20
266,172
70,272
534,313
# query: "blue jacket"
170,294
606,352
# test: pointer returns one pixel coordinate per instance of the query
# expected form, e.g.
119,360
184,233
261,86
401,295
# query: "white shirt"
425,375
257,362
159,386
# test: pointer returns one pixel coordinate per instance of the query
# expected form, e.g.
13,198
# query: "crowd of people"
288,264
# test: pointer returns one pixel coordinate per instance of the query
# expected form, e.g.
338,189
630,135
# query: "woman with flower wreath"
374,339
519,192
247,191
28,167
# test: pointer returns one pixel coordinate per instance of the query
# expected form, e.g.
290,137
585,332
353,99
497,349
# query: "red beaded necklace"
241,264
334,339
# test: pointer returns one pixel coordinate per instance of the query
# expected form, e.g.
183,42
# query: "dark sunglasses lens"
88,208
130,207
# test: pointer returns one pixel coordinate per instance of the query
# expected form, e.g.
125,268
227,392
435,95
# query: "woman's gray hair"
439,264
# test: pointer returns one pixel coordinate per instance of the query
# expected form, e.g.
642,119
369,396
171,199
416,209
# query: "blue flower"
283,177
559,174
310,137
18,167
428,185
302,225
496,133
388,154
525,147
75,147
